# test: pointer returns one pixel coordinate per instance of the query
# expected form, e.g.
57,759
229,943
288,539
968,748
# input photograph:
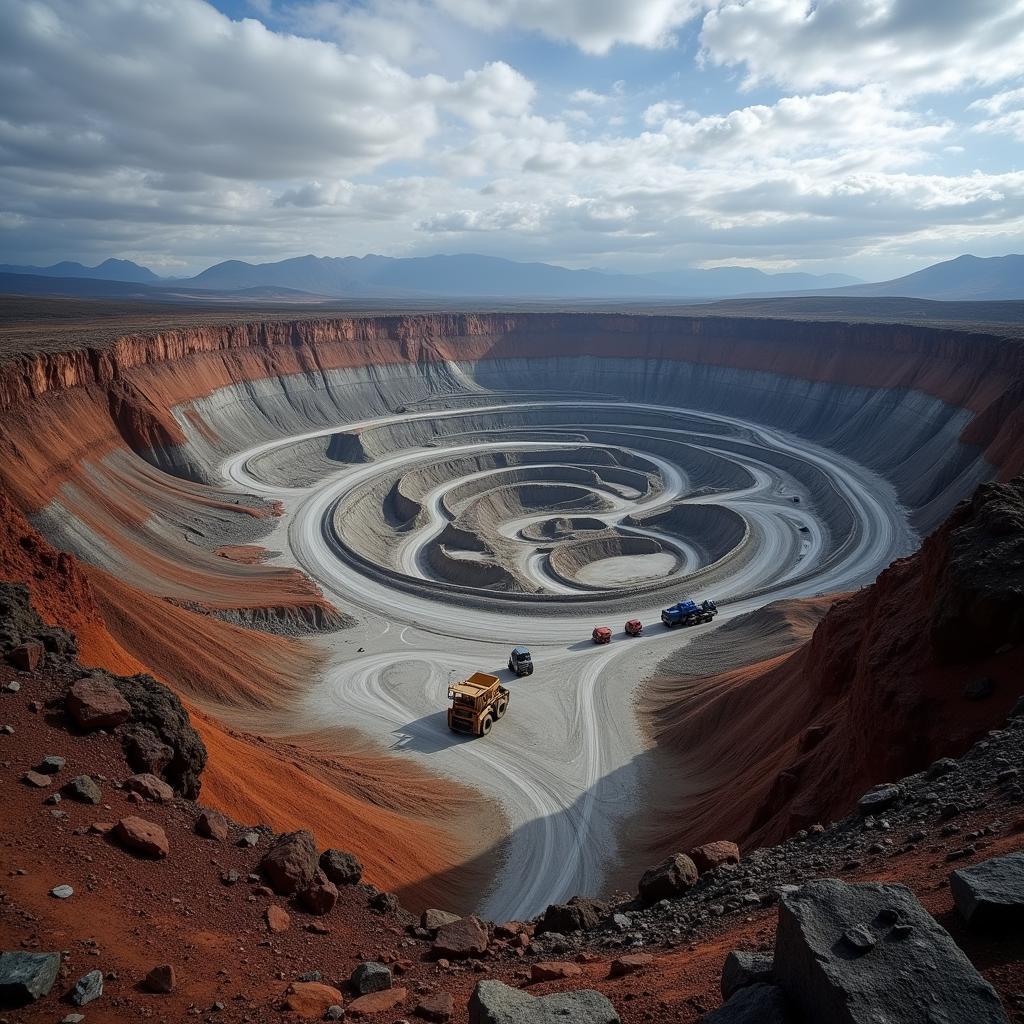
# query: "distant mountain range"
108,270
312,278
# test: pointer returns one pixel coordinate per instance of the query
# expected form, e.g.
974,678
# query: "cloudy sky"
866,136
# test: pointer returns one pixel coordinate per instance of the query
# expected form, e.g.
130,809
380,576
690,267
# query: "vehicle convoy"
689,613
520,661
634,627
477,703
601,635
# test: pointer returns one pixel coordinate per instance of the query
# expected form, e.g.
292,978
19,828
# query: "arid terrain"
304,526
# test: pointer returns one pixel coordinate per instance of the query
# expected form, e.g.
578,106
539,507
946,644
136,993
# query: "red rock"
461,939
554,970
310,999
321,894
36,779
438,1008
160,979
377,1002
141,836
27,656
713,855
213,825
96,704
150,788
317,928
101,828
290,864
277,918
630,964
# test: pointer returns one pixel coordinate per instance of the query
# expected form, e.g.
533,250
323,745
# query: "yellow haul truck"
477,703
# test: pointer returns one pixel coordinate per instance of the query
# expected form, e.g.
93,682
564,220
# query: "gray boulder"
87,988
83,789
493,1002
371,977
742,969
753,1004
580,914
991,894
879,799
912,971
671,878
26,977
340,867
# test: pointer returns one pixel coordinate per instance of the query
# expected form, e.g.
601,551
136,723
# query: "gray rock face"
913,972
87,988
754,1004
991,894
742,969
670,878
26,977
493,1002
371,977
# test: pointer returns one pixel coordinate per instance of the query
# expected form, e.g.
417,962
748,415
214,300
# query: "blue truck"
689,613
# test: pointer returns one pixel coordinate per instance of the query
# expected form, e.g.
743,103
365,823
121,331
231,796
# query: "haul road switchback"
458,532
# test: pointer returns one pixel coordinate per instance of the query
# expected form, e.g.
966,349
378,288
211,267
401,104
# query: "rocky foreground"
124,897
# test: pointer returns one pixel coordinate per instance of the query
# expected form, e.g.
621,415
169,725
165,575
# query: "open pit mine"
309,529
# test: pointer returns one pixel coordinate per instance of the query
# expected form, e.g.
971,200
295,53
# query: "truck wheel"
529,671
500,708
485,725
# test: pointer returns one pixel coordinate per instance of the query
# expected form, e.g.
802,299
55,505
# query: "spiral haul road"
454,533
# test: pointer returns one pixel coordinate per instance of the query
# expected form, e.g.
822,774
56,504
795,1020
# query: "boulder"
340,867
580,914
755,1004
370,977
320,895
493,1002
385,903
630,963
554,970
27,656
36,779
83,789
990,895
95,703
434,919
290,864
146,752
669,879
310,1000
377,1002
713,855
213,825
878,799
742,969
141,836
438,1007
461,939
87,988
149,787
26,977
830,978
158,717
277,918
51,765
161,979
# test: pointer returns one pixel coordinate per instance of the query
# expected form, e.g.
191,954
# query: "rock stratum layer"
115,454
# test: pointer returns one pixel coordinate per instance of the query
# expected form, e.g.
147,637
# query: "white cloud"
1007,114
595,26
914,46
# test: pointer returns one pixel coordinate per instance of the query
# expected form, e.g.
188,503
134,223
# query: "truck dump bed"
477,685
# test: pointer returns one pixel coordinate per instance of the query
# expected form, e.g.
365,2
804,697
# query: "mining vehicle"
634,627
689,613
477,703
601,635
520,661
